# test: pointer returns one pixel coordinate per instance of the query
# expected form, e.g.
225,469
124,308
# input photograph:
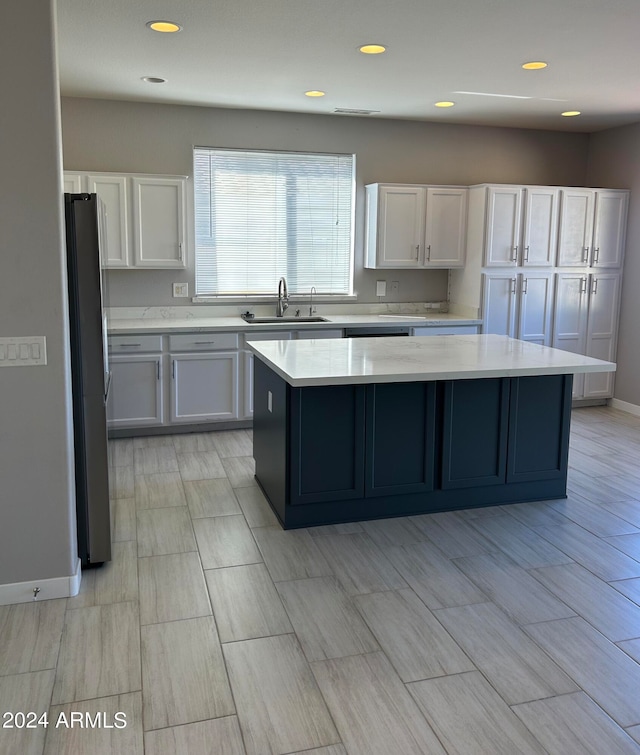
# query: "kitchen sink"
281,320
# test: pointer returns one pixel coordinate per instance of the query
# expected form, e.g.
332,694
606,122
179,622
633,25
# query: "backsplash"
264,310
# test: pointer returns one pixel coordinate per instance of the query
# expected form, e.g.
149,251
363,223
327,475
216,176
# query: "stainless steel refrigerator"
84,216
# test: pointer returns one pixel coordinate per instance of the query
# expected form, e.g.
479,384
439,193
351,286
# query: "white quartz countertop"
409,359
194,324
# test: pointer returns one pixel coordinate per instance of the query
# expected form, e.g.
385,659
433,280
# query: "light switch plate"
180,289
381,288
23,351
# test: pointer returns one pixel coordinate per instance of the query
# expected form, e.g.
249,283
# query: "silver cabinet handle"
158,370
417,252
514,253
128,345
596,254
428,251
594,286
180,250
203,343
513,285
173,369
526,254
585,253
525,285
583,285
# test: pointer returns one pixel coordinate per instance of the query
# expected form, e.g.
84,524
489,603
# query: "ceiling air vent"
353,111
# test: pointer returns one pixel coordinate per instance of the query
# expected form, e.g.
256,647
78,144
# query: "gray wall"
37,521
614,162
139,137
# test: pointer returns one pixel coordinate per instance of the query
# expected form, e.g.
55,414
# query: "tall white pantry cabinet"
544,264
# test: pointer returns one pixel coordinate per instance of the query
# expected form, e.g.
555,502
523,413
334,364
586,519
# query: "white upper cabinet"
158,213
502,231
112,190
415,227
576,227
609,228
521,226
445,227
592,227
145,217
540,228
72,183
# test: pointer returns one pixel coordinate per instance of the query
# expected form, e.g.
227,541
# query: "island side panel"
270,435
539,424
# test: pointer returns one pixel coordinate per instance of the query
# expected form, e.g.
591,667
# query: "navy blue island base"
344,453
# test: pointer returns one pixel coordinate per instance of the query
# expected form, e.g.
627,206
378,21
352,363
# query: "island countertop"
410,359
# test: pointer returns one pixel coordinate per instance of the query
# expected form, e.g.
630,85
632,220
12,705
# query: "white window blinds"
263,215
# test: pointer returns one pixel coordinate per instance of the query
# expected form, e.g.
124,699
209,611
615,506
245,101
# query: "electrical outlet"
395,287
381,288
180,289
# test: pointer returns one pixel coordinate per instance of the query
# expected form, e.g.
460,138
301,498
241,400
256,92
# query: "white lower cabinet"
204,387
136,391
519,305
585,322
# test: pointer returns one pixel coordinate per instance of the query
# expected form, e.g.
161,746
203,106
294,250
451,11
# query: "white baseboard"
625,406
58,587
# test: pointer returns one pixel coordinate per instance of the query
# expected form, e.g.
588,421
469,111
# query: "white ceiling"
264,54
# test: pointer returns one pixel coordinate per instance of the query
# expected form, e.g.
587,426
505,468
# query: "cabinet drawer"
134,344
203,342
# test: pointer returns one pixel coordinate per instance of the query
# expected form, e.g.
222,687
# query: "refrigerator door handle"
108,390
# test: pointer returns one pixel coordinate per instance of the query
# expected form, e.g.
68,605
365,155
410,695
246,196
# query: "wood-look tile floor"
513,629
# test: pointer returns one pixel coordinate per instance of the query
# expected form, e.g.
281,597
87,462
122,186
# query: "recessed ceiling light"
444,103
372,49
166,27
534,65
153,80
569,113
315,93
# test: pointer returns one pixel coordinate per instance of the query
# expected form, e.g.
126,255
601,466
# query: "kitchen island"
353,429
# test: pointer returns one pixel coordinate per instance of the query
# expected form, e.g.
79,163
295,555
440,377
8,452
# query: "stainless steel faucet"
311,309
283,298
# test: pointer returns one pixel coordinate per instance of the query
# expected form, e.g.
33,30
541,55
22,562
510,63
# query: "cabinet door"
112,190
158,220
474,440
400,232
247,360
135,397
204,387
327,443
445,229
499,304
602,326
609,228
540,227
539,417
502,239
536,307
72,183
575,227
396,411
570,319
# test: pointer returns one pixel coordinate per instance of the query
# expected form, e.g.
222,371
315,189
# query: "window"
263,215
